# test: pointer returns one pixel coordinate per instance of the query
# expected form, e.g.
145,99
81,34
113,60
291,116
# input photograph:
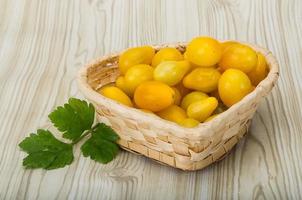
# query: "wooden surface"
43,43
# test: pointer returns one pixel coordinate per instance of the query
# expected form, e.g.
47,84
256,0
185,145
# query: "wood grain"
44,42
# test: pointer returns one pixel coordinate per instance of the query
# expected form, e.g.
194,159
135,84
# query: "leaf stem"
85,134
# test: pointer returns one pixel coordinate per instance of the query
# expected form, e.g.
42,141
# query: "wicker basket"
164,141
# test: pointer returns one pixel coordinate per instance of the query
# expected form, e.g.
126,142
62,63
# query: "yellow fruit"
211,117
173,113
121,83
202,109
192,97
260,71
171,72
189,123
240,57
135,56
233,86
116,94
227,44
153,96
204,51
136,75
202,79
177,96
193,66
166,54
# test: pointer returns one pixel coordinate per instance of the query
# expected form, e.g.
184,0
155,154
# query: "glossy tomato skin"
203,109
202,79
173,113
135,56
136,75
260,71
226,45
189,123
171,72
166,54
154,96
204,51
121,83
116,94
233,86
192,97
240,57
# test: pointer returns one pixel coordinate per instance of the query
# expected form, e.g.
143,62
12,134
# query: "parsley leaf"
73,118
45,151
101,146
106,132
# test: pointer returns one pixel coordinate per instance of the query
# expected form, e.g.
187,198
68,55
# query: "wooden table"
43,43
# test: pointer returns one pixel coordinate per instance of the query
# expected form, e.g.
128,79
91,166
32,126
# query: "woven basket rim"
262,89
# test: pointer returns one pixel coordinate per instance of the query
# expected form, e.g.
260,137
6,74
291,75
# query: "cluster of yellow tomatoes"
188,88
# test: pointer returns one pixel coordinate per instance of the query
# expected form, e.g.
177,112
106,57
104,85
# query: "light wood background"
43,43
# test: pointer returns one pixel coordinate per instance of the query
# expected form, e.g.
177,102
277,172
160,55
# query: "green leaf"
45,151
73,118
106,132
101,146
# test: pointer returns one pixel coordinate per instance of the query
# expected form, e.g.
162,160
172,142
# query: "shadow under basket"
164,141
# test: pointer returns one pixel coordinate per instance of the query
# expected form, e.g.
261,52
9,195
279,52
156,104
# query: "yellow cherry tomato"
227,44
173,113
202,109
193,66
177,96
153,96
233,86
192,97
166,54
204,51
121,83
211,117
240,57
116,94
202,79
135,56
260,71
189,123
171,72
136,75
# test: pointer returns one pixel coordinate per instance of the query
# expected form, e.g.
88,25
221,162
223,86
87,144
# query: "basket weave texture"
164,141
